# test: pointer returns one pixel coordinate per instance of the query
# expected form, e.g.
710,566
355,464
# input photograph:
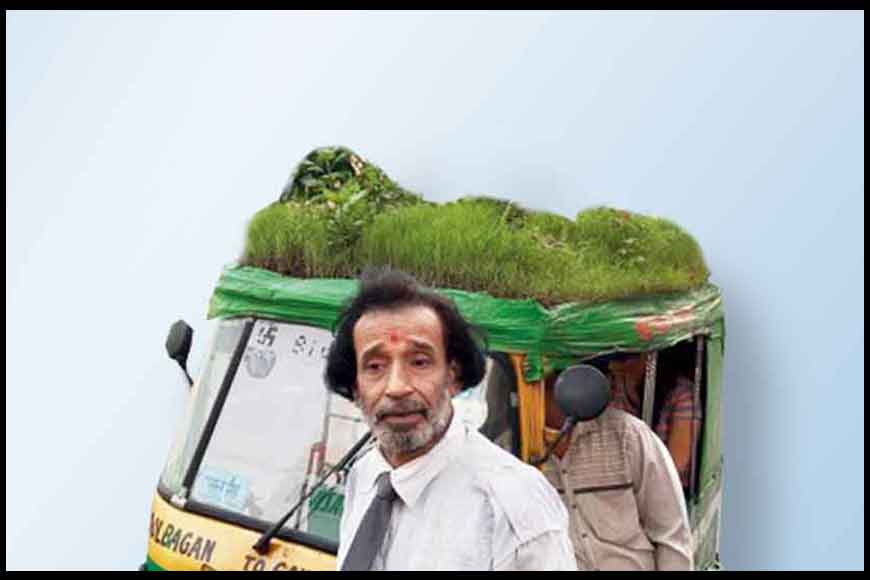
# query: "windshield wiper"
262,545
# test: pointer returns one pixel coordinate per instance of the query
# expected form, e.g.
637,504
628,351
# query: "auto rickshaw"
255,477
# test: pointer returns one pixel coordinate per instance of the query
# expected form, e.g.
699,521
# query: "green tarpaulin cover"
552,337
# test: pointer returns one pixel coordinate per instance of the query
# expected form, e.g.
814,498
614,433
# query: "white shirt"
465,505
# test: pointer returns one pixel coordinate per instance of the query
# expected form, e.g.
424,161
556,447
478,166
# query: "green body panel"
152,566
705,515
326,506
711,444
706,510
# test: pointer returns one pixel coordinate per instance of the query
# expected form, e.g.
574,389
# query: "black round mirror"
178,345
582,392
178,342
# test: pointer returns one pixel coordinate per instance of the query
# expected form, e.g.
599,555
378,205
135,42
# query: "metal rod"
696,402
649,387
262,545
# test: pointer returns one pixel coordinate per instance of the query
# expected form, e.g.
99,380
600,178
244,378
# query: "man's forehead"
414,323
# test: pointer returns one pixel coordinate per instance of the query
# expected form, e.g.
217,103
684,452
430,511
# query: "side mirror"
582,392
178,345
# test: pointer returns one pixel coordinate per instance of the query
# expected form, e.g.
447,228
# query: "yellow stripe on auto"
179,540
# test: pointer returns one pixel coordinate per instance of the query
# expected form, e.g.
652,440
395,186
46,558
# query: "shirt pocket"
613,516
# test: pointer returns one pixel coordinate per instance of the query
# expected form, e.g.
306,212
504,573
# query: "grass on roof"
340,214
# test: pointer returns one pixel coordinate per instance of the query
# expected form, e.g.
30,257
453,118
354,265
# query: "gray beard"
392,442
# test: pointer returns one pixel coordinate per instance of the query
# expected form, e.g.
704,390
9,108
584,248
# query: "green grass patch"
340,214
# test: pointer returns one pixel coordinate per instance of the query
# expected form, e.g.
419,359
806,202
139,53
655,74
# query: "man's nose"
398,385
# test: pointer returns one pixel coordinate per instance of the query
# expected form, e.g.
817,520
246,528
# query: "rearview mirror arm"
567,427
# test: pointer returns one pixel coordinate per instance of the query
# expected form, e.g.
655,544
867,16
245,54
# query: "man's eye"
421,361
374,366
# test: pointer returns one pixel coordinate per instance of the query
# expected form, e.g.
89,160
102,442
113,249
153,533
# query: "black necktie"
370,534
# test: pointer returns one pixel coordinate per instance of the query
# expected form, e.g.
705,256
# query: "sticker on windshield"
266,333
324,517
221,488
310,348
259,361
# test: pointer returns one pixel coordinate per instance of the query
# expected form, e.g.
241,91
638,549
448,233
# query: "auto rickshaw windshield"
278,430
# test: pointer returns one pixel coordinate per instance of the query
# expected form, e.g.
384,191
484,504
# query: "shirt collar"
585,427
581,429
410,479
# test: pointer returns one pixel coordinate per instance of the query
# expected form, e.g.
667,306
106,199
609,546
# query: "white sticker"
221,488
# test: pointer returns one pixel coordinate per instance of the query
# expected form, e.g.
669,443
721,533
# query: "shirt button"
584,535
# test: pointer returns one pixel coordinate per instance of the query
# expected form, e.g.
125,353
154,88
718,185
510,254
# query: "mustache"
401,407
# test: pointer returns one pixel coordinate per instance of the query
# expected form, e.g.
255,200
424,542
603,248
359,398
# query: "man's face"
628,374
404,382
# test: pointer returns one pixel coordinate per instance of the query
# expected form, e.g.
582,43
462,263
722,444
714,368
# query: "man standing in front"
434,494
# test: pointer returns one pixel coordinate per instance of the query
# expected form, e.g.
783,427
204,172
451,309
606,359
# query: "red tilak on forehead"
394,337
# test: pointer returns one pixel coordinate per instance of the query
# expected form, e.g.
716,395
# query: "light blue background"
138,145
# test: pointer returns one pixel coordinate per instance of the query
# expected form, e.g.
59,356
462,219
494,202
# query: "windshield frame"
217,407
183,500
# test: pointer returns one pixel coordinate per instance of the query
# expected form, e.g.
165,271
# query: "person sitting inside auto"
679,417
